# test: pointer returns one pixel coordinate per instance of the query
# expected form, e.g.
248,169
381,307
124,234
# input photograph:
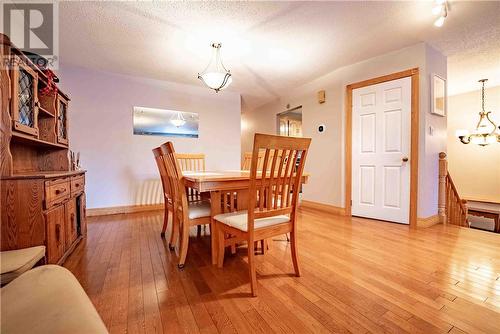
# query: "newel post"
443,171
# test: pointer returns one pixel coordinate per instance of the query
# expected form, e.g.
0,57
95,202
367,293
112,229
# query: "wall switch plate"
431,130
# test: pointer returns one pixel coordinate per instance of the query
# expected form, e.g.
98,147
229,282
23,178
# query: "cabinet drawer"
77,184
56,191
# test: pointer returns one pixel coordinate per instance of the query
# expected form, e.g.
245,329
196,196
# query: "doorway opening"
290,122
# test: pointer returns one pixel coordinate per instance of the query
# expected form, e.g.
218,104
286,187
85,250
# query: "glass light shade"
216,80
439,22
478,140
490,139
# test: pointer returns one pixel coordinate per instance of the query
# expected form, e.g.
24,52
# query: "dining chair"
187,213
194,162
247,160
272,200
167,192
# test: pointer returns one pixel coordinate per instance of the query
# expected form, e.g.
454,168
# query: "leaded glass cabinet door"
25,99
62,120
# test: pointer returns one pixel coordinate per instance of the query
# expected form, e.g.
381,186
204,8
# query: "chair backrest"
174,174
247,160
160,163
277,192
194,162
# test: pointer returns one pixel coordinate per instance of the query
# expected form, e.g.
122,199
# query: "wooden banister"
451,209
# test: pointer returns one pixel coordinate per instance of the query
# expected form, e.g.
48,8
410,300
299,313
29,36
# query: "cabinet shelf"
45,113
25,139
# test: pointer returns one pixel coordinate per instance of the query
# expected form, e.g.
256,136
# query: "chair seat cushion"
15,262
48,299
239,220
199,209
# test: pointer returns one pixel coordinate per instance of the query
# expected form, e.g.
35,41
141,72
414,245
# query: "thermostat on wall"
321,128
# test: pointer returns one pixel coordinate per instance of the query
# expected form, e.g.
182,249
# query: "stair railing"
451,209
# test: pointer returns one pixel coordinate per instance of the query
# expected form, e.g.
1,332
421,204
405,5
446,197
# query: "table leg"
215,200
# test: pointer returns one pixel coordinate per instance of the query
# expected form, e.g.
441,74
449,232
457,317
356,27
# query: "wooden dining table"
224,183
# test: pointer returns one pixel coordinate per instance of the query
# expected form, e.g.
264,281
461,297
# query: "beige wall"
475,170
120,165
326,158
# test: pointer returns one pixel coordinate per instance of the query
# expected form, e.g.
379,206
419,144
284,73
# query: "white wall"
120,165
326,158
475,170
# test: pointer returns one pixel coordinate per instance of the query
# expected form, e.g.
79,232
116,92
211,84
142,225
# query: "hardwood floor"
357,276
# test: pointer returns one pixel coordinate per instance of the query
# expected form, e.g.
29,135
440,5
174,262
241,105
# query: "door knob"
405,159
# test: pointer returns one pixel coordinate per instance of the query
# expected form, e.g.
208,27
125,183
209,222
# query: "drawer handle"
77,185
60,191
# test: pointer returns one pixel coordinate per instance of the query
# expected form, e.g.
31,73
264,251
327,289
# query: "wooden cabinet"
42,199
55,223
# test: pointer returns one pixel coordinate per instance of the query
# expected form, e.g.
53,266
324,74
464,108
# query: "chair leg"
263,246
220,247
199,231
295,260
165,222
174,237
184,244
251,268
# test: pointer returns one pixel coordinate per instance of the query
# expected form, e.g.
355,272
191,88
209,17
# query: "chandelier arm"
492,123
464,139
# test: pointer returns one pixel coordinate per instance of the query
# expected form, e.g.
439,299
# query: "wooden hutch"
42,198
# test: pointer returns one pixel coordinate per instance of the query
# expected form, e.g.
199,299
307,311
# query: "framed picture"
163,122
438,95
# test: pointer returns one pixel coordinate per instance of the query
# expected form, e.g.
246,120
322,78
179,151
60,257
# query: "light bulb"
461,133
439,22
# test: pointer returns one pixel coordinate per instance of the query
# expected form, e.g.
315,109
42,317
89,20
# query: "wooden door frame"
414,75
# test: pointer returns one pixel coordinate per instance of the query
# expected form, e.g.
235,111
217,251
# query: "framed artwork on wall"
438,95
163,122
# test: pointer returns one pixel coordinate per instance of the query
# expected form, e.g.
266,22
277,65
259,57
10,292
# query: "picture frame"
438,95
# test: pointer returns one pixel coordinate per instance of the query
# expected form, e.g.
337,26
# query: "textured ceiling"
271,47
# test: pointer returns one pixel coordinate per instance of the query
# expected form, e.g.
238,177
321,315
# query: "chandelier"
215,75
486,131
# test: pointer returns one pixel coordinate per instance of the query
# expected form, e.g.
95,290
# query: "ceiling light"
486,131
441,9
215,75
178,120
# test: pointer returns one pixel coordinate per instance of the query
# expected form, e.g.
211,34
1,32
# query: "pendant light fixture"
486,131
215,75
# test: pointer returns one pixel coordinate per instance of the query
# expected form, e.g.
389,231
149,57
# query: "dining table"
221,184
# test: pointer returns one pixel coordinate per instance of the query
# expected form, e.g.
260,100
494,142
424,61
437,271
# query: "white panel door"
381,124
